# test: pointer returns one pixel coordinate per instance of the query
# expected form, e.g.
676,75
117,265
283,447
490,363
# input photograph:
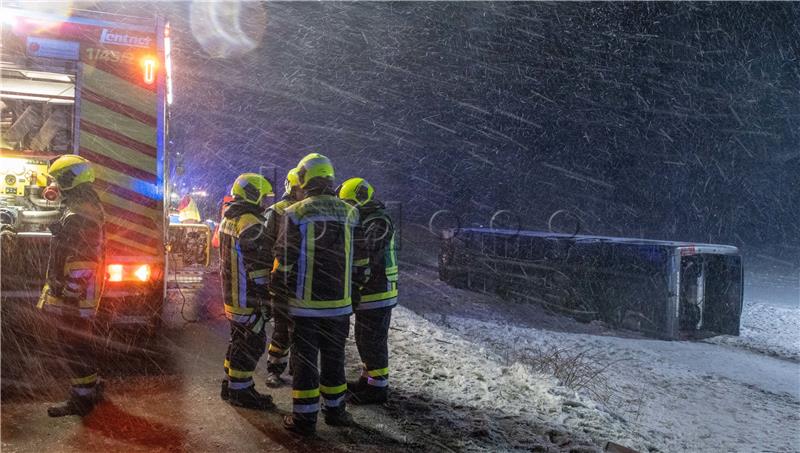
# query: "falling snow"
673,121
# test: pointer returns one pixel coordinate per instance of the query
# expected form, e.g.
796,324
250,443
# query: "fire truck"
97,85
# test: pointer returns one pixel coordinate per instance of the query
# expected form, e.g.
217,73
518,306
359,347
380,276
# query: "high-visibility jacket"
375,259
75,269
244,263
314,256
275,215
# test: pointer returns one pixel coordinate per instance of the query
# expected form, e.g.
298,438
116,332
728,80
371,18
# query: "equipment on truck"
96,85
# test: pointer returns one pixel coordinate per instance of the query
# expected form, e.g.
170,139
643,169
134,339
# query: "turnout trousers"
75,338
278,352
323,337
246,346
372,340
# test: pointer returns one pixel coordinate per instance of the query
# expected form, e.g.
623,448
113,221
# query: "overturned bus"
669,290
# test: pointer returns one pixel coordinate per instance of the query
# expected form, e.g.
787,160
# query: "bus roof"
718,248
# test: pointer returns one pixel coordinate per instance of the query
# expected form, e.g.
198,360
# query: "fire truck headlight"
8,19
11,165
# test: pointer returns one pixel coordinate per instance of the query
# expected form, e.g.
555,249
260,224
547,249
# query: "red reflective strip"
132,217
118,138
118,107
113,164
105,186
113,228
118,249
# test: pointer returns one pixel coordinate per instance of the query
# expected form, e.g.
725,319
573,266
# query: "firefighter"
74,280
313,271
244,263
278,350
374,290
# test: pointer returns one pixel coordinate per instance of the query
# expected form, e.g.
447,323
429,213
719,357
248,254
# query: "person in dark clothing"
75,278
278,350
313,271
244,265
374,290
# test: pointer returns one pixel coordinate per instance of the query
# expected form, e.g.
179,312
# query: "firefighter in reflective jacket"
278,350
374,290
313,270
75,279
244,262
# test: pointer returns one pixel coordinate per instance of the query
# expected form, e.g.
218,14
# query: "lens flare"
228,29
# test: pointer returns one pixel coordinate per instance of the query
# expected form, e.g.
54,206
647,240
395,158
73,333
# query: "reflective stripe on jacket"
313,262
244,262
275,219
375,268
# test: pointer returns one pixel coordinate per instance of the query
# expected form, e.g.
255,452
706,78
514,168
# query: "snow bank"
680,396
768,329
437,363
737,394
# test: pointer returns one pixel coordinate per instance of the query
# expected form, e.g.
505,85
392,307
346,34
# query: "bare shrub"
579,368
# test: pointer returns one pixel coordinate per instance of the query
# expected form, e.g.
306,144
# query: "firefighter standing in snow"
244,255
278,350
313,270
374,290
75,279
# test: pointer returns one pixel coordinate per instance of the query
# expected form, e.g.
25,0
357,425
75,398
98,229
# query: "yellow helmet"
356,190
251,187
292,180
312,166
71,170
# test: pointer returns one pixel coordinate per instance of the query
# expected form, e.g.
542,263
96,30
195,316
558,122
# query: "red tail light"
115,272
143,273
129,272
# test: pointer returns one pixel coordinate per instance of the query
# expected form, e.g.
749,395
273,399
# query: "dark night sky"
665,120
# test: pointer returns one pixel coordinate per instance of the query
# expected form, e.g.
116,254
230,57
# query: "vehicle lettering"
124,39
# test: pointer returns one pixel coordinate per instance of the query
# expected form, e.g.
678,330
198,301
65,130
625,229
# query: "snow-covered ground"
771,313
501,398
736,394
767,329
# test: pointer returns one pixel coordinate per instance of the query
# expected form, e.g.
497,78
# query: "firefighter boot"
338,417
249,398
369,394
303,428
355,386
224,393
274,379
76,405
